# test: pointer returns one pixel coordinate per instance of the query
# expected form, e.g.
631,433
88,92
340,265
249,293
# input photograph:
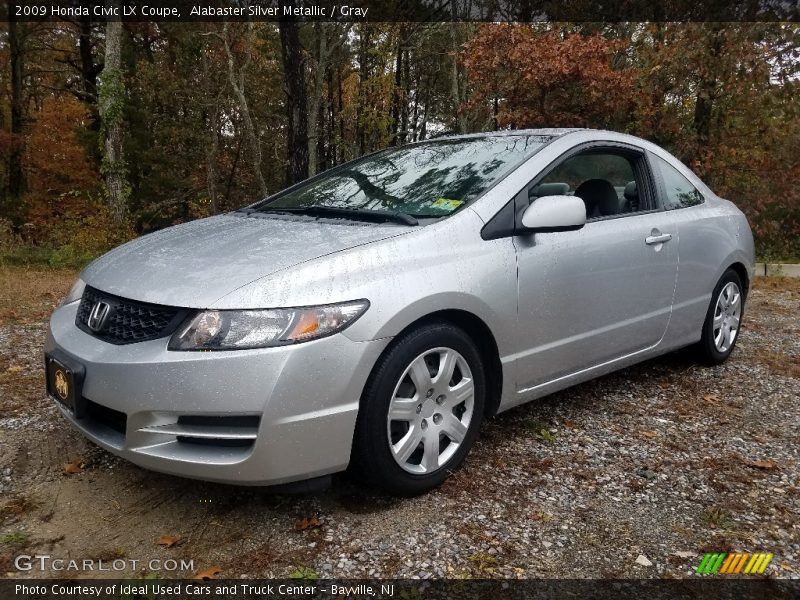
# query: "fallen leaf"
642,560
14,369
649,434
209,573
74,467
769,465
170,540
685,553
570,424
306,523
711,398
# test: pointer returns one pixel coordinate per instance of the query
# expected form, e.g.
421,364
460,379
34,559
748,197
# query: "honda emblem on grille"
98,316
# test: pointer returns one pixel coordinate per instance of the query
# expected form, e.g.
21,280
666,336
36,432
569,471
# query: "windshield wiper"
361,214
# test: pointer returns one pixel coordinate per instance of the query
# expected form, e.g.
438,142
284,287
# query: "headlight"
242,329
75,292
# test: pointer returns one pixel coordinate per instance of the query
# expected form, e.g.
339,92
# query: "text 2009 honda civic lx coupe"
373,315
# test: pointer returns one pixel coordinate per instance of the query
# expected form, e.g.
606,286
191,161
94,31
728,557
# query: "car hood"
194,264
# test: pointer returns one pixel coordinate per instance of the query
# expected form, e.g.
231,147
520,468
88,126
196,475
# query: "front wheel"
421,410
723,319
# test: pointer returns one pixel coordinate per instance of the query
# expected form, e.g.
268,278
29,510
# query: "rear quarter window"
678,191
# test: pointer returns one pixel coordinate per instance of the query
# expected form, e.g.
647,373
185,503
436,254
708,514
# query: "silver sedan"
372,316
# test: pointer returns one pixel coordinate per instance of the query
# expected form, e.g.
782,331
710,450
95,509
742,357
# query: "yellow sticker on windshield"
448,203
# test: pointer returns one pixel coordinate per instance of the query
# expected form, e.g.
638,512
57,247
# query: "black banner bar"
404,10
473,589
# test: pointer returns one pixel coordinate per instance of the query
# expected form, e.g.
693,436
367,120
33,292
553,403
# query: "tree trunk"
363,75
404,99
294,76
340,145
88,68
397,92
315,101
320,145
330,150
112,113
212,118
415,108
706,91
12,205
236,79
459,121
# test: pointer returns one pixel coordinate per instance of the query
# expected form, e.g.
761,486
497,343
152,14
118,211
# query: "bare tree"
111,100
294,75
456,84
321,53
237,79
15,184
328,39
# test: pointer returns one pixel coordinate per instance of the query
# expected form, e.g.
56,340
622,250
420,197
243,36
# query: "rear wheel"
421,410
723,319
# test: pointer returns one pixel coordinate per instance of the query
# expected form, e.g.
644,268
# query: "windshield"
431,179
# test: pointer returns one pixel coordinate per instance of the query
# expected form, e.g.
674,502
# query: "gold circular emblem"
62,387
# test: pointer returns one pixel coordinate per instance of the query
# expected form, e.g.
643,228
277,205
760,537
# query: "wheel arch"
480,333
741,271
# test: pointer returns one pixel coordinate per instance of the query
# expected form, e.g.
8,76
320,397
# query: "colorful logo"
734,562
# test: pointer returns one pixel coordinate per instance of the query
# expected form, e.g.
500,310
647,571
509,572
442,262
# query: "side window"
680,193
605,180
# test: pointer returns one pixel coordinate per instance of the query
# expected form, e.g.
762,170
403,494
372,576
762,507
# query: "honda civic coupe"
373,315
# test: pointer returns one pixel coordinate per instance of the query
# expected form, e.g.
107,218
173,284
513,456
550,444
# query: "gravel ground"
636,474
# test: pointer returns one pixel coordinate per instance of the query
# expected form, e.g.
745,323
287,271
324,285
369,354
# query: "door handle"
657,239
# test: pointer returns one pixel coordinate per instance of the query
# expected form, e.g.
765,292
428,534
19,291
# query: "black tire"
372,458
706,349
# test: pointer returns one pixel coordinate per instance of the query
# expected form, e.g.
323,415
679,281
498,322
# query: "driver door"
603,292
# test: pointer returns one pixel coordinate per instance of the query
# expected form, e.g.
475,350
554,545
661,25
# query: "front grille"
127,321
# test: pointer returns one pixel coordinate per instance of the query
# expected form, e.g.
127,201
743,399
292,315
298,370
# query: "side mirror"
554,213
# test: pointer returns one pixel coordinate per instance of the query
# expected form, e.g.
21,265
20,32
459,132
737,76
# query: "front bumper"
252,417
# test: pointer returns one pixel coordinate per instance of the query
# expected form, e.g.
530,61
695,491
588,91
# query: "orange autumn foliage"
55,161
541,78
64,201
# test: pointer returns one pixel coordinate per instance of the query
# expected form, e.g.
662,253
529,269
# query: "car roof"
543,131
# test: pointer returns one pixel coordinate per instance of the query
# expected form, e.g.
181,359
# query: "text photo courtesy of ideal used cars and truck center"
399,299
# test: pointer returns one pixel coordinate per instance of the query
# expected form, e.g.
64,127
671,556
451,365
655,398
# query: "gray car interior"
601,198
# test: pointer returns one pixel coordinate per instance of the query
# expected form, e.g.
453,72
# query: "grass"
30,293
716,517
541,429
109,554
785,284
14,538
303,572
779,363
484,562
37,256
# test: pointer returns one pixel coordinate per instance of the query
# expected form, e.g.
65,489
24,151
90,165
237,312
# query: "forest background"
112,130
